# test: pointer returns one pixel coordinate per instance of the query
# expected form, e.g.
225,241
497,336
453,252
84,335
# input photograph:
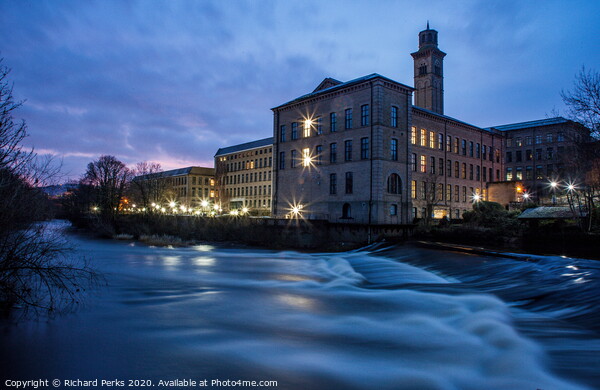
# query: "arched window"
394,184
346,211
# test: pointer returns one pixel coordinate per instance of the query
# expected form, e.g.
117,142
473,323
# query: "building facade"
244,176
536,153
187,187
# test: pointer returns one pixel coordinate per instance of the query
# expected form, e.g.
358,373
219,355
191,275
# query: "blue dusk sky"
173,81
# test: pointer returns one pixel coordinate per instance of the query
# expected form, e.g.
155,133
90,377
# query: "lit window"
306,160
423,137
413,135
307,128
423,164
432,140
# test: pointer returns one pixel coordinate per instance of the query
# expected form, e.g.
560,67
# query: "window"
484,153
508,157
413,189
464,171
448,168
538,154
432,165
518,156
456,145
306,159
293,159
440,192
413,161
393,209
423,190
519,173
449,192
348,113
333,122
508,142
528,155
282,133
464,194
464,147
423,164
484,174
364,148
441,167
432,140
422,70
470,148
332,153
413,135
440,141
539,173
307,128
346,211
560,137
477,150
549,153
528,173
364,115
394,117
319,125
518,142
538,139
456,193
448,143
477,173
281,160
348,150
490,153
294,130
528,140
319,154
332,184
394,150
470,171
393,184
509,174
456,169
349,182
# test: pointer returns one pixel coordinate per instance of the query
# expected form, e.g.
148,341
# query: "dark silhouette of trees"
582,166
36,270
108,177
148,186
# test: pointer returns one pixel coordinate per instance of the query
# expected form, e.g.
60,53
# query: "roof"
359,80
546,212
526,125
246,146
447,117
179,172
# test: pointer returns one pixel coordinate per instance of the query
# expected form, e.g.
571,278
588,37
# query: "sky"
173,81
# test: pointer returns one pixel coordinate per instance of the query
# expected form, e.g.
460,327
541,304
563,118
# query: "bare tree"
582,166
109,177
583,101
35,269
148,185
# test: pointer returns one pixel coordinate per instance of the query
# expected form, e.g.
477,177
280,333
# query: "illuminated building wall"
244,176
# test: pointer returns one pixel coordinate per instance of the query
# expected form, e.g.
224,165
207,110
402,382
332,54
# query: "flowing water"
399,317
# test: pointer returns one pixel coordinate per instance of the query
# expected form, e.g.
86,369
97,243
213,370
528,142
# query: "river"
399,317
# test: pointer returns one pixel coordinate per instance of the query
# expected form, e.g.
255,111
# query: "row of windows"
312,127
517,172
394,183
550,154
250,191
183,180
264,162
200,192
433,192
307,158
248,177
246,154
435,166
539,138
452,144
